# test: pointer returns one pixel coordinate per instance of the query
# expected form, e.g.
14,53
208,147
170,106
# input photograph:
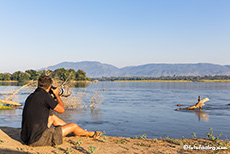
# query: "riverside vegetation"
61,78
58,74
80,75
2,107
216,78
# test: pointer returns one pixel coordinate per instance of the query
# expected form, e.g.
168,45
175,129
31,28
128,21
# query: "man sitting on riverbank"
37,118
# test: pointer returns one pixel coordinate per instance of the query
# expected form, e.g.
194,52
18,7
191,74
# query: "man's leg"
75,129
54,120
69,128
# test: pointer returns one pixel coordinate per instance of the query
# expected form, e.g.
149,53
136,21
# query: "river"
129,109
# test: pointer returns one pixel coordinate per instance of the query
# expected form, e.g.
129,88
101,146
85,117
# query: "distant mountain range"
97,69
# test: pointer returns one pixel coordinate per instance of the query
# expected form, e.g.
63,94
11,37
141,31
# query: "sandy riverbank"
10,143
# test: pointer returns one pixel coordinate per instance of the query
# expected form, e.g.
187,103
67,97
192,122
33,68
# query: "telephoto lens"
63,91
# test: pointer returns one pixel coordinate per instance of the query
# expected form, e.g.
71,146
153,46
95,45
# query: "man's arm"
60,107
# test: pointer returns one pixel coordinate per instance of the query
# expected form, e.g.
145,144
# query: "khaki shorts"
51,137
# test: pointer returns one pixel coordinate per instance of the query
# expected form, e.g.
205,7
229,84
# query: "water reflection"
73,114
81,85
202,115
96,113
12,83
77,85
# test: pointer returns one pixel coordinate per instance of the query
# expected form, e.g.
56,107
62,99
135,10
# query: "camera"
63,91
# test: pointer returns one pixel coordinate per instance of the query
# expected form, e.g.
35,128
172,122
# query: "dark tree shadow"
14,133
2,151
80,149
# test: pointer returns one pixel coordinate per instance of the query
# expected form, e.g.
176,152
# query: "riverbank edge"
80,81
32,80
171,81
10,143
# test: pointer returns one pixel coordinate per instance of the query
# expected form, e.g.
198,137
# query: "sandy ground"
10,143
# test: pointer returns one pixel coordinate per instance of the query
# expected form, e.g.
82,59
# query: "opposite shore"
171,81
13,81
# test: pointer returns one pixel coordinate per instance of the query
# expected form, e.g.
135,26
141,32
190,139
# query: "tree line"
80,75
59,74
186,78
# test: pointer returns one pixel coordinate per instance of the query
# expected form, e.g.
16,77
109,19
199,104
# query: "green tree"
45,72
7,76
81,75
15,75
32,74
71,74
20,76
60,74
24,77
1,76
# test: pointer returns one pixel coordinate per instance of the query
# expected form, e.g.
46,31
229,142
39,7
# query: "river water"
133,108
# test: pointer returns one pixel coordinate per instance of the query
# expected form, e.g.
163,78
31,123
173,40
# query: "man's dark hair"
44,82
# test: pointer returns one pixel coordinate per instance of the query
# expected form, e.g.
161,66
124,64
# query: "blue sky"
36,34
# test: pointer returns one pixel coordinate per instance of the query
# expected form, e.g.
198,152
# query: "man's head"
44,82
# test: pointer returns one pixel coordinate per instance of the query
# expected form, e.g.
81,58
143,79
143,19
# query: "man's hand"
60,107
55,91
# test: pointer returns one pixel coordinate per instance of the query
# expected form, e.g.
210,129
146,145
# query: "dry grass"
82,99
96,99
75,100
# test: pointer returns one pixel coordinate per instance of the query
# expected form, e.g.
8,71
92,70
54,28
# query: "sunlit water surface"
129,109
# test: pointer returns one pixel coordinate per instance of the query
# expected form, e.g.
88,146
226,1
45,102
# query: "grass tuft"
3,107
